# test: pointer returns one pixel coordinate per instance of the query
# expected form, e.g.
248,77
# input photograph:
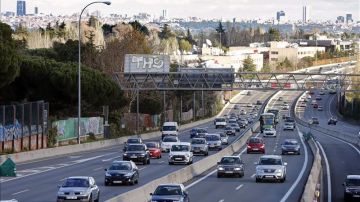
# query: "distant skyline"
226,9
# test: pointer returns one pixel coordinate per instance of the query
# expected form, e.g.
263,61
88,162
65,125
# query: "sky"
207,9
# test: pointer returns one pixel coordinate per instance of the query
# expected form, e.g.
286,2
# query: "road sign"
136,63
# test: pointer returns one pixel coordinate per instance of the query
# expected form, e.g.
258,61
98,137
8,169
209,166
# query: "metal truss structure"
173,81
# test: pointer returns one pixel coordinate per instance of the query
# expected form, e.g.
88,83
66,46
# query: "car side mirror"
285,164
105,169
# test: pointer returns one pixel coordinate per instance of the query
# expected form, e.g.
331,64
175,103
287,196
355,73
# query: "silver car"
199,146
80,188
214,141
224,138
270,167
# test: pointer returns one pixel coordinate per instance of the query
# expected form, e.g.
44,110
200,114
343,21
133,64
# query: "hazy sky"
227,9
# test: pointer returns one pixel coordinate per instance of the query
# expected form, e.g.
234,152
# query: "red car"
154,149
256,144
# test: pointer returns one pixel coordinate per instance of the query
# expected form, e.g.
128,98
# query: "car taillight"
262,146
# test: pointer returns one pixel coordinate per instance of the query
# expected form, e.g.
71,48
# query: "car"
235,126
332,121
255,144
196,131
309,97
321,92
318,97
122,172
248,93
214,141
180,153
154,149
232,120
132,141
269,132
250,120
352,187
315,106
199,146
236,107
285,106
314,121
270,167
137,153
280,98
169,128
250,105
302,104
320,108
290,146
220,122
79,188
224,138
288,125
313,102
170,192
243,122
230,131
243,112
259,102
253,115
167,143
230,165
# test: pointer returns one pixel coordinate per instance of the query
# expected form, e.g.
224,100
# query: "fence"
24,126
67,129
146,121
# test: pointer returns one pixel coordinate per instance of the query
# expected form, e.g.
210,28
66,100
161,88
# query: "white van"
170,128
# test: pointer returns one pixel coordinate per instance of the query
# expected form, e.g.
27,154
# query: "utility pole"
194,106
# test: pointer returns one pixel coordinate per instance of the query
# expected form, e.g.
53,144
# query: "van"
169,128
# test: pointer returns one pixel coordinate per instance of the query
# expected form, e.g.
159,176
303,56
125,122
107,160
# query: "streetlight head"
107,2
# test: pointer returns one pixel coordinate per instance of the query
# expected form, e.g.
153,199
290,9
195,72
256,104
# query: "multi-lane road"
38,181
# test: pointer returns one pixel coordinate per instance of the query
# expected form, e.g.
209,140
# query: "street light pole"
79,67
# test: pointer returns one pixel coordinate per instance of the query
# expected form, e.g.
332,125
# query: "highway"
246,189
341,156
37,181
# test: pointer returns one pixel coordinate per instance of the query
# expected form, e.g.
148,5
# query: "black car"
259,102
137,153
332,121
290,146
196,131
132,141
122,172
352,187
314,121
230,165
170,193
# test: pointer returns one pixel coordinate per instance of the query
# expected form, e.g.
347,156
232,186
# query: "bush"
52,134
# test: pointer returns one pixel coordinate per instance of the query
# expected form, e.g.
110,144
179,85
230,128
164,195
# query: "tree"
285,65
248,65
184,46
165,32
221,31
190,38
107,29
274,34
139,27
9,59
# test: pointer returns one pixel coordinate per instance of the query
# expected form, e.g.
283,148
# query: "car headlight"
347,190
61,193
107,174
259,170
187,155
220,168
128,174
278,171
142,154
125,154
237,169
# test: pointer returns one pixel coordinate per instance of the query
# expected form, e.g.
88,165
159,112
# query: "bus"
267,120
276,113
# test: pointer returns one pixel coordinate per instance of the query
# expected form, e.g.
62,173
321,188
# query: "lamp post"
79,68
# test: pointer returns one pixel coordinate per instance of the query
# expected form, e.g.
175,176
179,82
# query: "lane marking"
239,187
253,175
96,169
327,171
63,179
142,168
25,190
222,200
296,183
109,159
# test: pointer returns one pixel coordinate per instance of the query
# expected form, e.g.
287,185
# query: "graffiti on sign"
146,63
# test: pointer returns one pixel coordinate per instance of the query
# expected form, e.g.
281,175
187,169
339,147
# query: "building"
340,19
36,10
279,51
164,14
21,8
280,16
306,14
349,18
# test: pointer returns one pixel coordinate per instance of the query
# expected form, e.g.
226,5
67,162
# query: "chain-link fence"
20,122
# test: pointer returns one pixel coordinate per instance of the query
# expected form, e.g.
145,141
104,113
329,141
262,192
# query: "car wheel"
219,175
98,197
144,162
132,182
248,152
90,199
257,180
137,181
148,161
207,153
170,163
283,180
106,183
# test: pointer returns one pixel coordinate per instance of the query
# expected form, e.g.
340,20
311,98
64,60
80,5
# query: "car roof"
117,161
290,140
134,138
170,124
353,177
79,177
212,134
199,138
137,144
171,185
231,157
182,143
271,156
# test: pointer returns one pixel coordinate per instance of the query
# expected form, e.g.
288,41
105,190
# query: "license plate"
356,196
211,146
133,157
71,197
229,172
290,152
197,150
117,181
255,149
178,158
268,176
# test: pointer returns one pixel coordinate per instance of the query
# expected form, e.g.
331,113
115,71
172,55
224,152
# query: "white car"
168,142
285,106
220,122
214,141
270,167
269,132
180,153
242,112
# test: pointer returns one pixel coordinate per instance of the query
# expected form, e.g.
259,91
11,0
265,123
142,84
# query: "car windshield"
151,145
291,142
270,161
220,120
230,160
168,190
212,138
133,141
255,140
201,130
169,128
120,166
228,128
314,119
268,129
198,141
223,135
234,125
170,139
353,182
232,121
180,148
73,182
136,148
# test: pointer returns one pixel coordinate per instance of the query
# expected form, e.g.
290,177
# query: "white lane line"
28,171
47,167
239,187
253,175
142,168
74,157
161,162
295,184
222,200
109,159
201,179
63,179
25,190
335,138
96,169
327,171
